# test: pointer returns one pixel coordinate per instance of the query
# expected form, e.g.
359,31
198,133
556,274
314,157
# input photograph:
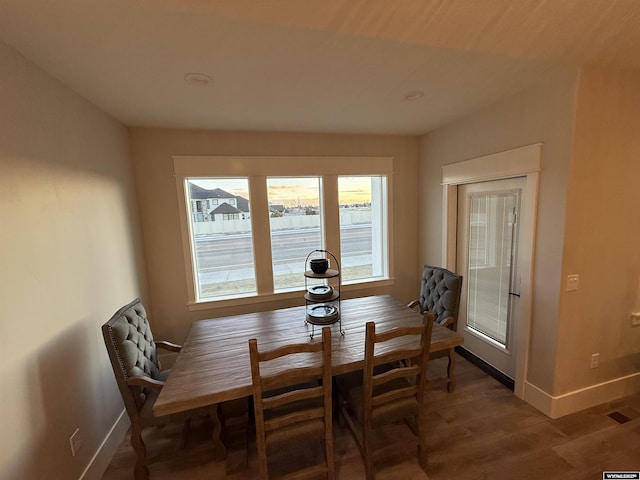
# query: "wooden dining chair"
292,401
390,388
134,357
440,292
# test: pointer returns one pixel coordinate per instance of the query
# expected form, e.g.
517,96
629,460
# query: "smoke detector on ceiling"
198,79
413,95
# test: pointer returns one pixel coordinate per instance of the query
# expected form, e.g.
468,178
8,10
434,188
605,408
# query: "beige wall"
543,114
588,224
71,255
602,234
152,150
72,248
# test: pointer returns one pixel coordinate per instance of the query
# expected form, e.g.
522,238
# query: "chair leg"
422,455
422,442
328,451
141,470
368,456
452,361
262,457
328,440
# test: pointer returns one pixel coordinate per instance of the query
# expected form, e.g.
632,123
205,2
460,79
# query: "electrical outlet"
75,442
595,360
572,282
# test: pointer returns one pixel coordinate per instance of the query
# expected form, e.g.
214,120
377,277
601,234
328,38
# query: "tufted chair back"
132,352
440,293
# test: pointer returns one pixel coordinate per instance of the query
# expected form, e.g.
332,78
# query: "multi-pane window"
363,227
295,223
221,243
250,223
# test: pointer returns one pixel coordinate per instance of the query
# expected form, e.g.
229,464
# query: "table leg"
452,362
235,424
220,450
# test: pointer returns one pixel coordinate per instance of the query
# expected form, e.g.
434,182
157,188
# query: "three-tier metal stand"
322,292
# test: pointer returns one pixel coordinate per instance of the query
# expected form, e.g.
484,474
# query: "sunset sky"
290,191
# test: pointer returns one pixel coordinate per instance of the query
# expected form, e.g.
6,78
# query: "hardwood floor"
480,431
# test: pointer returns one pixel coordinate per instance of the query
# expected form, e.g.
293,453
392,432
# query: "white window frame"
519,162
257,169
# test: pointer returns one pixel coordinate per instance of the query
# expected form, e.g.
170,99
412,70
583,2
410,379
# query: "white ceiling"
313,65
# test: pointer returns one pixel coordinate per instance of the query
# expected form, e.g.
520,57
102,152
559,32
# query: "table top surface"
213,365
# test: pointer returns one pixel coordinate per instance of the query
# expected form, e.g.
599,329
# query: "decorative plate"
320,292
322,312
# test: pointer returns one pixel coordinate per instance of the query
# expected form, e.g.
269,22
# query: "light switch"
572,283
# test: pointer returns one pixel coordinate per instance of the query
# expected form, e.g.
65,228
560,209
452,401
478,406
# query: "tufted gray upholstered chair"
440,293
134,358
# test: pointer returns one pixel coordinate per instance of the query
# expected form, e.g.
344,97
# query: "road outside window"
295,220
221,237
249,223
363,227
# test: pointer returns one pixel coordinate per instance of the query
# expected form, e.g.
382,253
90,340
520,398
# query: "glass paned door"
487,236
492,250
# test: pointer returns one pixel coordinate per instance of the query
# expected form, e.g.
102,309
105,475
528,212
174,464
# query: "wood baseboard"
571,402
101,459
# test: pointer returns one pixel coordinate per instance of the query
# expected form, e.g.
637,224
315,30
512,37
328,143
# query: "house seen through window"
281,219
222,241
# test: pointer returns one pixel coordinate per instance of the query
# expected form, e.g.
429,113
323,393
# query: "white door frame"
519,162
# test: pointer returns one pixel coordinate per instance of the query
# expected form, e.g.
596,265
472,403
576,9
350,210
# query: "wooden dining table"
213,365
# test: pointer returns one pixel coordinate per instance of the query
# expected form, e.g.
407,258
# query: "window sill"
277,297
